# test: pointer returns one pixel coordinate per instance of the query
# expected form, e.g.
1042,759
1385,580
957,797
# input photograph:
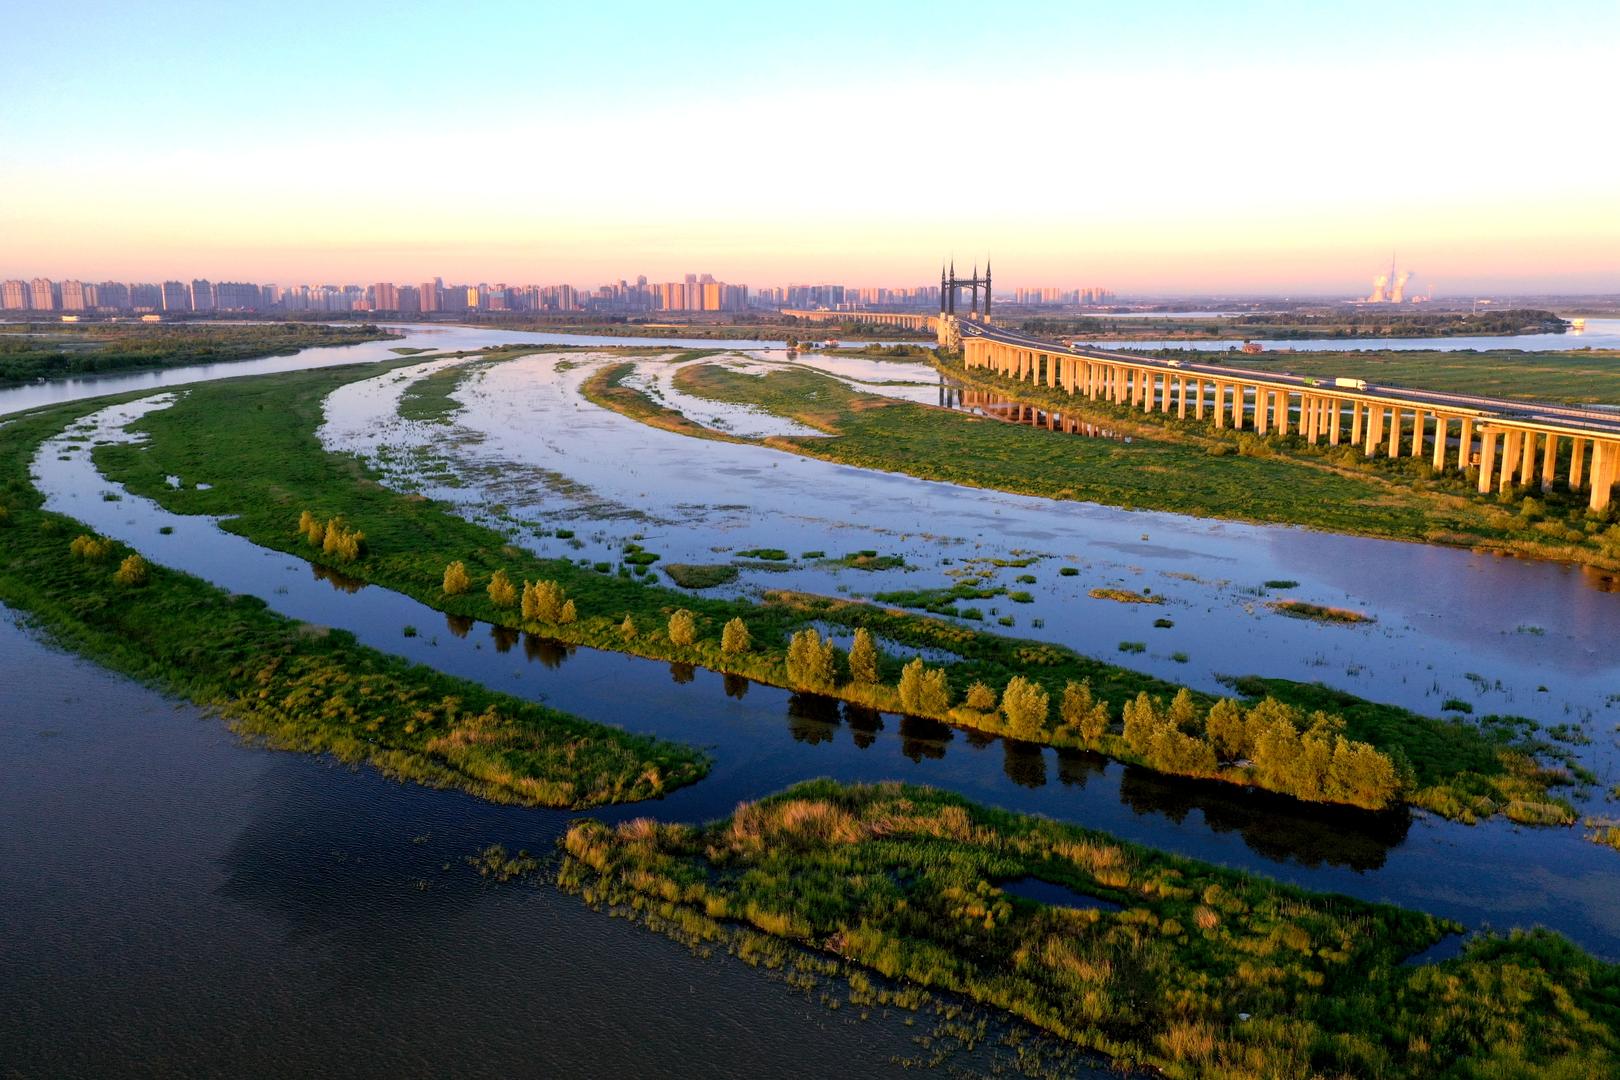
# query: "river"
291,896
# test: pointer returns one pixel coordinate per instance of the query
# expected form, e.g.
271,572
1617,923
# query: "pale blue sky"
1157,145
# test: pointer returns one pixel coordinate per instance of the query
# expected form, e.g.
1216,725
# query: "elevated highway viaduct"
1511,443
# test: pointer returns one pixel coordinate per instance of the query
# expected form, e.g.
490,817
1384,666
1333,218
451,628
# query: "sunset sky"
1151,148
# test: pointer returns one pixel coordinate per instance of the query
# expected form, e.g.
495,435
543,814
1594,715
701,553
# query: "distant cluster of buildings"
1052,297
695,293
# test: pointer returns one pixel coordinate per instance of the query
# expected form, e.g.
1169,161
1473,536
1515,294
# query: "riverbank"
1153,960
34,351
1423,505
294,685
219,436
1573,377
1370,322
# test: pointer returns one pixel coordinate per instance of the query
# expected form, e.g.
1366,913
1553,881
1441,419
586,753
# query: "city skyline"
1176,150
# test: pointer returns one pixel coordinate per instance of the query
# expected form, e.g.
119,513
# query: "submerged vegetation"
1202,971
1462,770
299,686
1300,609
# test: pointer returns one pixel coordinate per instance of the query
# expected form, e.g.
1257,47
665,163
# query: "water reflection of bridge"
1006,409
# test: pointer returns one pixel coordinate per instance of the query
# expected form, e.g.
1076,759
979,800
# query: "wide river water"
172,898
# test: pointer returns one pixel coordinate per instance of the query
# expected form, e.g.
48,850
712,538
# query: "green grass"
1401,499
1581,376
302,687
222,434
1203,971
89,348
606,388
1150,473
428,400
1124,596
701,575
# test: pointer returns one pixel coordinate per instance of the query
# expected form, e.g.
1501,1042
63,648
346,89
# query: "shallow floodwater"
1599,334
528,454
764,738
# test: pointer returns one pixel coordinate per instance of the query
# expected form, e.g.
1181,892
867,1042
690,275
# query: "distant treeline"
53,351
1351,323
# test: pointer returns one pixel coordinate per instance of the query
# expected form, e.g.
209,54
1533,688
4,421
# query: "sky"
1149,147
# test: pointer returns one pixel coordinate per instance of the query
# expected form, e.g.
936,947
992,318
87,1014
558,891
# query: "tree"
131,572
682,628
735,639
924,691
1173,750
1081,711
1183,715
980,698
1226,731
1361,775
1076,702
456,580
863,659
811,662
545,601
1142,722
90,548
1026,706
342,542
311,528
501,590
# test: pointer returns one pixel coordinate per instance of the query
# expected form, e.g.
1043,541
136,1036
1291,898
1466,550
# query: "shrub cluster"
132,572
545,601
1282,748
90,548
456,580
333,537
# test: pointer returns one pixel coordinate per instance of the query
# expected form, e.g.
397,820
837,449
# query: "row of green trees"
1270,744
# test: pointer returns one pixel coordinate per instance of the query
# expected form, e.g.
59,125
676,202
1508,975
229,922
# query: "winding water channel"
292,894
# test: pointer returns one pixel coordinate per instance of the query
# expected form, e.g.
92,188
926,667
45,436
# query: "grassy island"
1154,960
294,685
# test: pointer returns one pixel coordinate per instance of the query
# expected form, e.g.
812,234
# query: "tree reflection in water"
1275,826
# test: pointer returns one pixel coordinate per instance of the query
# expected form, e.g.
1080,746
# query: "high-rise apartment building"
384,297
237,296
15,295
202,295
73,298
112,296
145,297
429,294
176,296
44,295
